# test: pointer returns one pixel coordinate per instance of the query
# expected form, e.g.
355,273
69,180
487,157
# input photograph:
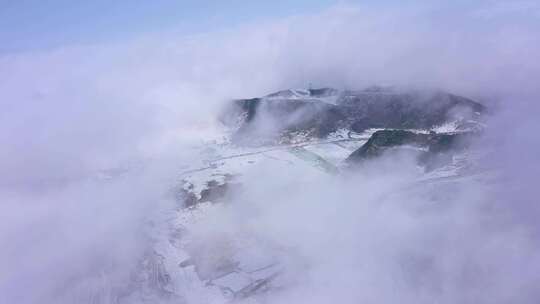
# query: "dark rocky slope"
434,148
318,112
377,107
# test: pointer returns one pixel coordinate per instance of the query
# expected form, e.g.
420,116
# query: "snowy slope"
238,265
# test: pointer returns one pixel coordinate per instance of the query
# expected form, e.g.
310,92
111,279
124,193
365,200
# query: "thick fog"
93,138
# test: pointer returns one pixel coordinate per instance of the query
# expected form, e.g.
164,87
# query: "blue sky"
38,24
42,24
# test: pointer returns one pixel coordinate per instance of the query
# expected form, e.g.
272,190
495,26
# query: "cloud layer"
70,113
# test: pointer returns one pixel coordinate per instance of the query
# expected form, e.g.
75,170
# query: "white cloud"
70,112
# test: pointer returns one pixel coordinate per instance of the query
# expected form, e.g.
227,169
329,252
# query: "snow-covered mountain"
322,133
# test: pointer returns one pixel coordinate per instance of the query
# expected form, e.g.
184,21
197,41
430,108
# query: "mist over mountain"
354,155
319,112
